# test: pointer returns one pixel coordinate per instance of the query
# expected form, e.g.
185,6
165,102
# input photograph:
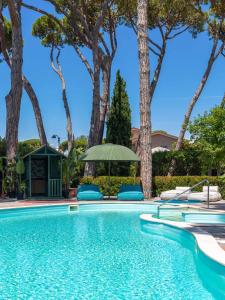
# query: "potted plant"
21,190
20,169
10,185
3,176
69,173
10,179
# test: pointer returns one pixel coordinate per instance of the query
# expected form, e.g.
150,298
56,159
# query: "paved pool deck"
217,231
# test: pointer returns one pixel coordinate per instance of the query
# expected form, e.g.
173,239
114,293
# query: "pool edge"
204,240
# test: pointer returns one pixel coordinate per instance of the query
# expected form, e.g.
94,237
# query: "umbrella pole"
109,167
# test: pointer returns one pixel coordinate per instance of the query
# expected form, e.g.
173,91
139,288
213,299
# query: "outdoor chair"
89,192
174,193
130,192
214,194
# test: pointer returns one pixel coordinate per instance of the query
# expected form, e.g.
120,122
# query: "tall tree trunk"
145,109
36,108
105,101
27,86
58,70
93,137
69,127
192,104
13,99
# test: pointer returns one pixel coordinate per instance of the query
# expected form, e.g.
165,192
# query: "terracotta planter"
72,192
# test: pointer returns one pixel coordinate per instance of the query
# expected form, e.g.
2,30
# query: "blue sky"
182,69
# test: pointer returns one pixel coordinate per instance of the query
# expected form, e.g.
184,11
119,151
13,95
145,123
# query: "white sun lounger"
174,193
214,194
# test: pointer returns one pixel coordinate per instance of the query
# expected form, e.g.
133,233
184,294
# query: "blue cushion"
137,196
88,187
89,192
89,195
130,188
130,192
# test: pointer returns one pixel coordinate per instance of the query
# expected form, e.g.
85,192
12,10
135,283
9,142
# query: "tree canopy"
208,132
119,119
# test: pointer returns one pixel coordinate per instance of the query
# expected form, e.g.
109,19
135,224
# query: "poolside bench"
130,192
89,192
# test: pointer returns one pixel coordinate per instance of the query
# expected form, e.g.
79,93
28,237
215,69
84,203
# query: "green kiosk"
43,173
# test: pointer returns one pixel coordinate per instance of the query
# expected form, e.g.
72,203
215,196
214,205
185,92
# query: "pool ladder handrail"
187,190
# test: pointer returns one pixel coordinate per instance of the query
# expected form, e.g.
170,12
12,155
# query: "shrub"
187,162
115,183
160,183
164,183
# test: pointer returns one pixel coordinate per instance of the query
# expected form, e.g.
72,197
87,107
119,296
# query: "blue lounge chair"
89,192
130,192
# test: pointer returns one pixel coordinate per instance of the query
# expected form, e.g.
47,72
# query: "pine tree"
119,121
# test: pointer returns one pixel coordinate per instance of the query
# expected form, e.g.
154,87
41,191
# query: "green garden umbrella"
109,153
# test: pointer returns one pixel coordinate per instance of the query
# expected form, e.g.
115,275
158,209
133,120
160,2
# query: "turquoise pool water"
101,253
204,218
176,213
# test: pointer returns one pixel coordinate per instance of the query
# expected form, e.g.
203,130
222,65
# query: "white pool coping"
37,206
205,241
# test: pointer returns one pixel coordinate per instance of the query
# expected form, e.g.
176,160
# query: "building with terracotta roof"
160,139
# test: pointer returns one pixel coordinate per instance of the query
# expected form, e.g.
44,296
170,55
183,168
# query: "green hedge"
115,183
160,183
164,183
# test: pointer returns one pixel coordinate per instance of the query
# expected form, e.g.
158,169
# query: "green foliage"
161,163
2,164
173,14
11,176
2,147
20,167
72,30
160,183
188,161
24,147
8,35
22,187
208,133
115,183
165,183
79,143
216,19
133,169
73,168
28,146
48,31
3,175
119,121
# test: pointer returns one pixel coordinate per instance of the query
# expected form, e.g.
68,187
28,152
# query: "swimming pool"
102,252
